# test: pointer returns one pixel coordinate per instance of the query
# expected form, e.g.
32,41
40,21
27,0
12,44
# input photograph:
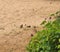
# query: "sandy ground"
14,13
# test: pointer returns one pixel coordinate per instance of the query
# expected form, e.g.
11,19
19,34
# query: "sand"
16,17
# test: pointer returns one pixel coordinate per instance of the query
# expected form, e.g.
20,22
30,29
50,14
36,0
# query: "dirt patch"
18,21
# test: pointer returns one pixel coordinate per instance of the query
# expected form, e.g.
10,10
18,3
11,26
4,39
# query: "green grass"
48,39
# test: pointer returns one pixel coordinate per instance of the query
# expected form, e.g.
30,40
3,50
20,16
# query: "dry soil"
18,19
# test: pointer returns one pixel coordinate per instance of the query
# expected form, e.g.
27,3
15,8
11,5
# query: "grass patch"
48,39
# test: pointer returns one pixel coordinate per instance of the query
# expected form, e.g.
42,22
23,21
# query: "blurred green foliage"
48,39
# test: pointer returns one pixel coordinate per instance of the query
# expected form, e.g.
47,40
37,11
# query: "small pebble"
28,26
34,26
31,35
50,17
21,26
